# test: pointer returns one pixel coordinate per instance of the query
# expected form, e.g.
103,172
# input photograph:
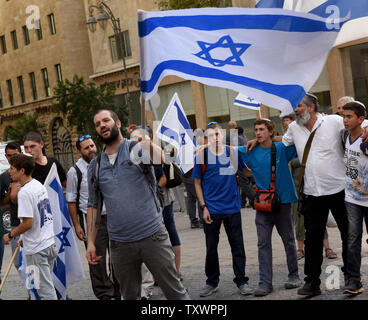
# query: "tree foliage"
185,4
78,101
24,125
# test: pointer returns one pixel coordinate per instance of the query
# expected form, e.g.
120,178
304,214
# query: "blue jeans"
283,220
356,214
233,228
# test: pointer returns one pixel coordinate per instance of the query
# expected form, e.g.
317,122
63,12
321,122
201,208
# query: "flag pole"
143,113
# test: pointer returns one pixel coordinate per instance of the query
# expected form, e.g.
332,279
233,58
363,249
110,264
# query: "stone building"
41,42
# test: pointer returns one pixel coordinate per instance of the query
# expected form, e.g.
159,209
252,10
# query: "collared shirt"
325,169
72,186
132,214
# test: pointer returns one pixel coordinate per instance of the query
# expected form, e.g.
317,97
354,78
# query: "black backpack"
173,175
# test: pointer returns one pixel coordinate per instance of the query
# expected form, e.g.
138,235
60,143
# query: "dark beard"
114,135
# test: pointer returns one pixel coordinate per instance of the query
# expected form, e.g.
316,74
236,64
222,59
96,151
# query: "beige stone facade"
66,45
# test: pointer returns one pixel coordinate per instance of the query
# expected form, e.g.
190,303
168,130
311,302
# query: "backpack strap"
79,181
96,186
344,137
273,167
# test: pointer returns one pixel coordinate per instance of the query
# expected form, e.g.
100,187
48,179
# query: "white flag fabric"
68,266
245,101
175,129
273,55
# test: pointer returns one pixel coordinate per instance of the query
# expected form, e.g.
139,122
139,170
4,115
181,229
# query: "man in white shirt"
36,225
324,184
77,198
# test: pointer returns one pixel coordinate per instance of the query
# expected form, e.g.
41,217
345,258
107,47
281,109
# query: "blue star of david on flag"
62,236
236,49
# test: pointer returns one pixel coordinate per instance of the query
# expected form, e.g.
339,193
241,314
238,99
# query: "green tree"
23,125
79,101
185,4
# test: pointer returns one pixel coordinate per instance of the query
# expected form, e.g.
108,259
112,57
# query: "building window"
21,89
14,39
1,99
38,29
359,71
46,82
59,75
120,45
52,23
3,45
10,92
33,85
26,35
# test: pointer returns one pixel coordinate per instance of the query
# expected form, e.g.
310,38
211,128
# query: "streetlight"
105,14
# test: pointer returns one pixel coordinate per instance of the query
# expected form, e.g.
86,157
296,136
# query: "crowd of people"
121,202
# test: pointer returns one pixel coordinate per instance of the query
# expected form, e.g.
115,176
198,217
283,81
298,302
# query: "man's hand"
6,239
251,144
91,254
200,148
206,216
80,233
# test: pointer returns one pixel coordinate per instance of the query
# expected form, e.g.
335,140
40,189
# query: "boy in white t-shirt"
36,225
356,191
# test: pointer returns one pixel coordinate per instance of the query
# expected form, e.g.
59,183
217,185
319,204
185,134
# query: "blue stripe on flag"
62,203
170,133
184,121
247,103
219,22
282,91
59,271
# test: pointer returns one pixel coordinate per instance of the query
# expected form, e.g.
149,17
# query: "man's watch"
202,206
9,235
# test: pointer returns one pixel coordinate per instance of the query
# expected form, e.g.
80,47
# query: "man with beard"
77,197
136,231
323,188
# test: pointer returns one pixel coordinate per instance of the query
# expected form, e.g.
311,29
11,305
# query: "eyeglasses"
211,123
82,138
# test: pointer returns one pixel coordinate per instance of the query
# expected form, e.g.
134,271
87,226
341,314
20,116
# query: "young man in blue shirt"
219,197
259,161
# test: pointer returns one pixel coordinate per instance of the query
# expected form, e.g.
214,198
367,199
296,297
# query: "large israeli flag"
272,55
175,129
68,266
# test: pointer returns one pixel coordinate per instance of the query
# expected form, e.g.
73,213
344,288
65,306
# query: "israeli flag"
68,266
273,55
175,129
245,101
